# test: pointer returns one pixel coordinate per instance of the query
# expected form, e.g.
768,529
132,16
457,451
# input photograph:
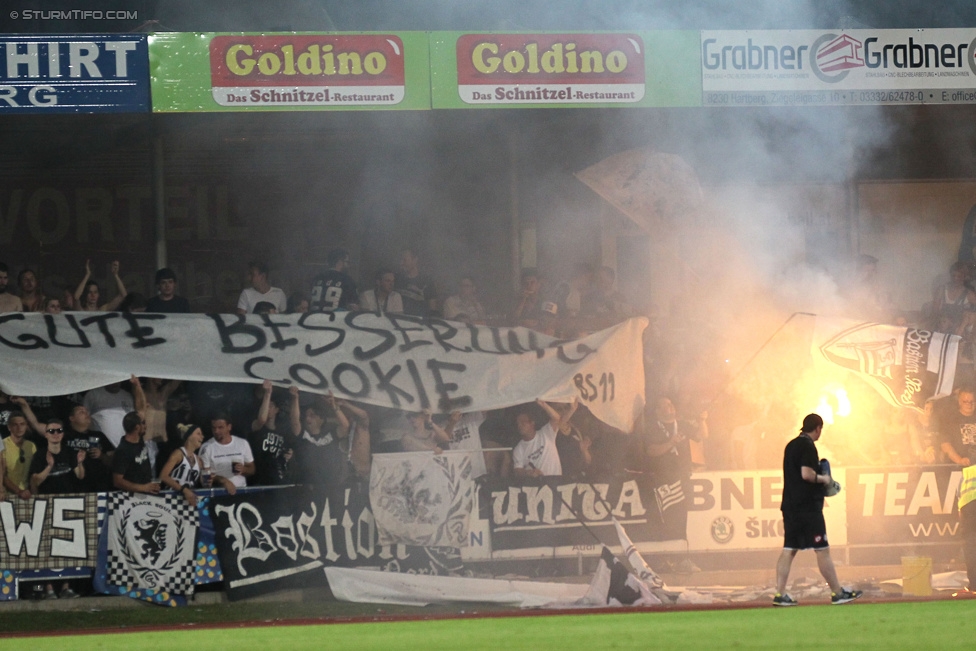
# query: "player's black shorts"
805,530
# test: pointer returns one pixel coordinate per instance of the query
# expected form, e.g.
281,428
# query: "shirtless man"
8,302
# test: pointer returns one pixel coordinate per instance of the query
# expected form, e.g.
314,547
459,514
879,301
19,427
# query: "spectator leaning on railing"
228,456
131,470
183,470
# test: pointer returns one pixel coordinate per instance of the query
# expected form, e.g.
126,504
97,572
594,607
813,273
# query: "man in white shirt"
536,455
384,299
107,406
228,457
466,435
260,290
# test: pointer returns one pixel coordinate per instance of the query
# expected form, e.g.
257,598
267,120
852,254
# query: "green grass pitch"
924,625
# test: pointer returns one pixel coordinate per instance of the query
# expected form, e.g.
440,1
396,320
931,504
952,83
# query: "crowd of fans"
148,434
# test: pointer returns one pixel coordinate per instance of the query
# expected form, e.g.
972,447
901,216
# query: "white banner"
422,498
391,360
370,586
907,366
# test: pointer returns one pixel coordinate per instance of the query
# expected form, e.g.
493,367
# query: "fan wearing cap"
58,469
181,472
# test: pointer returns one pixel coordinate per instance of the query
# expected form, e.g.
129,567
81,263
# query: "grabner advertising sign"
550,68
307,70
74,74
900,66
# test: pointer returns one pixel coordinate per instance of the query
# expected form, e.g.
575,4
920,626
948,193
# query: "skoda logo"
722,530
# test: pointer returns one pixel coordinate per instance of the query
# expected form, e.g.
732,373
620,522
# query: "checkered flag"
151,542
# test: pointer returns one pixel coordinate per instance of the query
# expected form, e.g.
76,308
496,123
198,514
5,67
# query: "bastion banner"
392,360
274,539
289,71
907,366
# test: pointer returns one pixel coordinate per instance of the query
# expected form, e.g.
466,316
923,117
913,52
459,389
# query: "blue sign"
45,73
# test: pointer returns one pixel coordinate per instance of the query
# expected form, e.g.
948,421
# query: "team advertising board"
824,67
289,71
908,505
390,360
74,74
740,510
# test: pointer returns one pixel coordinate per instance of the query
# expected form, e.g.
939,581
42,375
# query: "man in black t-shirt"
131,470
958,430
334,289
270,448
80,437
319,458
802,506
666,444
56,468
167,301
417,290
958,433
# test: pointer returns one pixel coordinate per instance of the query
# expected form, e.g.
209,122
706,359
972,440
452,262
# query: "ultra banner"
151,542
557,511
392,360
907,366
281,538
49,531
422,498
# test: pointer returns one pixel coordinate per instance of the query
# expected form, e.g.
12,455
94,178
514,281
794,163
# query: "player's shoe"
784,600
845,596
